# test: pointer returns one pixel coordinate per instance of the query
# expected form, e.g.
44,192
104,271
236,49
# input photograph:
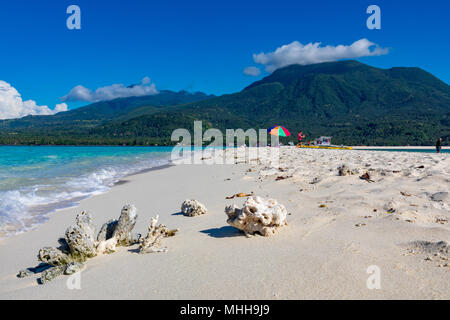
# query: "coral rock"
107,246
262,216
107,230
344,170
192,208
106,243
80,243
24,273
73,267
152,241
80,237
125,224
118,232
53,257
50,274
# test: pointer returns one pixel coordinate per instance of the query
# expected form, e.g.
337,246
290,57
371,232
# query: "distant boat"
324,143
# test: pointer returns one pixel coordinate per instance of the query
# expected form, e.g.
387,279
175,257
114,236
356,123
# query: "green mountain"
73,127
100,112
348,100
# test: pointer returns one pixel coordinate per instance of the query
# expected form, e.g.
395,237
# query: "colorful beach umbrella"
279,131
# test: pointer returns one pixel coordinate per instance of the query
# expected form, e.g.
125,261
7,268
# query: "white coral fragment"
258,215
192,208
107,246
152,241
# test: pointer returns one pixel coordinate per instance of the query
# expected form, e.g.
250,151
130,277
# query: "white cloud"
297,53
12,106
80,93
61,107
252,71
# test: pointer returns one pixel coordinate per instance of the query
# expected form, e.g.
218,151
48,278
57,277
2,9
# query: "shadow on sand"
223,232
135,250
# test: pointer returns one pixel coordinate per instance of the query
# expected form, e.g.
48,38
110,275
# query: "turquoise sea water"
35,181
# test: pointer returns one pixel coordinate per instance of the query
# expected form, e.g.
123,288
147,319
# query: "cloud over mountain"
12,105
252,71
114,91
297,53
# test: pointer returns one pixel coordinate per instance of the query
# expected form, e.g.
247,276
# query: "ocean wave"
24,207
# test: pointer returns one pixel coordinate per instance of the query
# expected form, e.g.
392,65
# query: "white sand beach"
338,226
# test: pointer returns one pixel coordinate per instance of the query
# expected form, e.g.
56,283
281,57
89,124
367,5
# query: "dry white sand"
333,235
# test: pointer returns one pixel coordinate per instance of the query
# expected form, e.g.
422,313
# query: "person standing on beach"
300,137
438,145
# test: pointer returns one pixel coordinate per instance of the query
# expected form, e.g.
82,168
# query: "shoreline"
121,181
322,253
68,203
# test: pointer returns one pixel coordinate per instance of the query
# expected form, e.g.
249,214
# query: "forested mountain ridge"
103,111
355,103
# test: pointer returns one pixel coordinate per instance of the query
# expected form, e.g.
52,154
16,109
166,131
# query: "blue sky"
199,45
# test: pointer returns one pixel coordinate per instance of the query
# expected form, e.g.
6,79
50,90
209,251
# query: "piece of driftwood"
366,176
240,195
